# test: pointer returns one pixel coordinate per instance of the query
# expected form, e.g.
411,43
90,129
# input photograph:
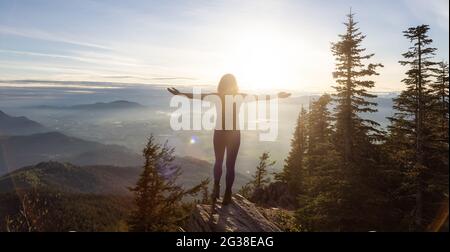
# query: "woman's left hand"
174,91
283,95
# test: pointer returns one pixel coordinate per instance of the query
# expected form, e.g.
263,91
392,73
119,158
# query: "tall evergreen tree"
440,91
355,137
319,201
293,169
157,197
352,95
438,152
412,126
320,128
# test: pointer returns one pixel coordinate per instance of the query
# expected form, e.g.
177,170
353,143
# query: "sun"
263,59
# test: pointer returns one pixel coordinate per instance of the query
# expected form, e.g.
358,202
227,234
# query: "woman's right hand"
174,91
283,95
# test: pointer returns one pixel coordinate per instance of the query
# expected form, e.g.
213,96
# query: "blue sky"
266,44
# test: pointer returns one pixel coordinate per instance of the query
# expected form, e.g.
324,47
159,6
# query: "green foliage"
417,143
246,191
261,177
357,178
339,161
55,211
293,170
158,199
352,92
284,219
321,197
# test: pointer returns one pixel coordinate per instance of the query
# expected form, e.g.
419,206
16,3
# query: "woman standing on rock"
224,139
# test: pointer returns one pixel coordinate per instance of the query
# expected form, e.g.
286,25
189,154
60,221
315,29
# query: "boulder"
239,216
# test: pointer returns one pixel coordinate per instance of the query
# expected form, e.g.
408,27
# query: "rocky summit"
239,216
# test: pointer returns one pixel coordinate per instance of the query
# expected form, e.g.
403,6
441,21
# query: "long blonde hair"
228,85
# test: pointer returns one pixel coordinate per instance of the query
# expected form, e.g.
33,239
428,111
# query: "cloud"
88,57
121,77
101,68
57,84
173,78
153,78
42,35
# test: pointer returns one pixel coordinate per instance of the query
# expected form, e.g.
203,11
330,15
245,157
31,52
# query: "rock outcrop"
239,216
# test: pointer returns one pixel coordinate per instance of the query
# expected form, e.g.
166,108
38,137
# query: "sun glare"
263,59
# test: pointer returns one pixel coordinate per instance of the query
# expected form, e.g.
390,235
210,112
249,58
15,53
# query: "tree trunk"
419,145
348,143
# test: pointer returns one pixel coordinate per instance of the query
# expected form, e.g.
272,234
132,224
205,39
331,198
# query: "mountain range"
20,125
19,151
98,179
53,160
114,105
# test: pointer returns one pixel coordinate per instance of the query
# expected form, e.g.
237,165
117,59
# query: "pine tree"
260,178
438,151
352,95
440,92
294,164
320,129
412,126
157,197
319,201
356,138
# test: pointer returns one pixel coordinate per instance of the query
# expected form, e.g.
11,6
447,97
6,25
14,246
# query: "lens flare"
193,140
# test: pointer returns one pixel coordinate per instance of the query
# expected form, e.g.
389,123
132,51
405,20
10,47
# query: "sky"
267,44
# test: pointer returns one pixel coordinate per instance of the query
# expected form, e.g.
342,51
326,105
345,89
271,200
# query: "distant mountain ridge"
119,104
98,179
12,125
20,151
67,177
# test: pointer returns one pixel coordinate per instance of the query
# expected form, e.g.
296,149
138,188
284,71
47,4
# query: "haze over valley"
124,115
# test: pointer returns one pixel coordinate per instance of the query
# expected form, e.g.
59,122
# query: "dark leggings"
230,141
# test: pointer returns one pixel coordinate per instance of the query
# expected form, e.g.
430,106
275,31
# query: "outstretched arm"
175,91
280,95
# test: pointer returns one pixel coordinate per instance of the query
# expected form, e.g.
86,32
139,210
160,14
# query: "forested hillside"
347,173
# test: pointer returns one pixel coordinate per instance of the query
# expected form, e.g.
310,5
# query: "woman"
224,139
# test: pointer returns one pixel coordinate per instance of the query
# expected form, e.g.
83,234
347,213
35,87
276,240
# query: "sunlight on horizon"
263,59
267,45
269,56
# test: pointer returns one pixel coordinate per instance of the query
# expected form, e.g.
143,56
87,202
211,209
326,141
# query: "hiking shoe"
227,198
216,192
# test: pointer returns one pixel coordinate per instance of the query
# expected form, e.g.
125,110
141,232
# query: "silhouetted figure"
225,139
